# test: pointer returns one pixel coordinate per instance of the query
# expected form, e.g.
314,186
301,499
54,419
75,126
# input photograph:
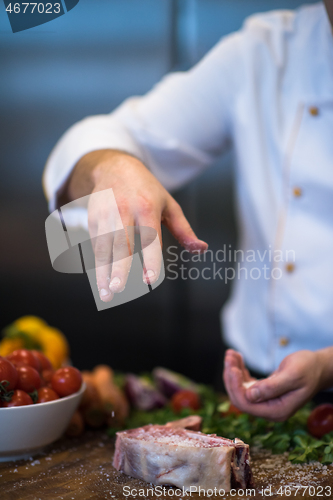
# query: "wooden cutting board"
80,469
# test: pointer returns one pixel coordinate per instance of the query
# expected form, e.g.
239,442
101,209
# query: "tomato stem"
34,395
4,394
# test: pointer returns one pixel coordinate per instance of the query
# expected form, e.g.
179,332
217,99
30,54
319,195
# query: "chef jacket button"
297,191
284,341
290,267
314,111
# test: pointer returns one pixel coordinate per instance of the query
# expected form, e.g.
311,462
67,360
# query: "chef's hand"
141,200
299,377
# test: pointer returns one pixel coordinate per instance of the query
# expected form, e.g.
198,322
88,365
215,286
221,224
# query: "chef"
268,90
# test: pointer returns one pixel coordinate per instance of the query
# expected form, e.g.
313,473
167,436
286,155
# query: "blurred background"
84,63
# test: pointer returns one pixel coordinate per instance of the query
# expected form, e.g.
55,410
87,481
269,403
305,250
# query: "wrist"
110,165
104,163
89,173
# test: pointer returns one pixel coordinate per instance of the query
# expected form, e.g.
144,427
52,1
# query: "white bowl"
24,430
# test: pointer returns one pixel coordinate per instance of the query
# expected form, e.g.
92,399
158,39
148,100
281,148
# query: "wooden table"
80,469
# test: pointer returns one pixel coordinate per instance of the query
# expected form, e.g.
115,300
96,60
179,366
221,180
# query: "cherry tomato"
46,394
8,373
29,378
185,399
66,381
320,420
45,363
233,410
25,357
47,377
19,398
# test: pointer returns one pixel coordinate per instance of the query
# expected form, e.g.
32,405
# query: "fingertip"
233,353
195,246
105,295
229,351
229,360
229,354
150,277
238,355
234,358
252,394
116,285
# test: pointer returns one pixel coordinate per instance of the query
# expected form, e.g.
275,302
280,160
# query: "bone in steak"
167,455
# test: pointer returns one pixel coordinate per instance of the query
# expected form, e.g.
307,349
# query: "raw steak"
167,455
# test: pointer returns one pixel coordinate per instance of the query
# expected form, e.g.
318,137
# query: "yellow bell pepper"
55,346
9,345
31,332
30,324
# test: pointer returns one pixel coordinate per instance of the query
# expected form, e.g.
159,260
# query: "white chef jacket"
268,89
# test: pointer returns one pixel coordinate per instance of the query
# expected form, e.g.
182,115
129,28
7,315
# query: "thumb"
179,227
272,387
